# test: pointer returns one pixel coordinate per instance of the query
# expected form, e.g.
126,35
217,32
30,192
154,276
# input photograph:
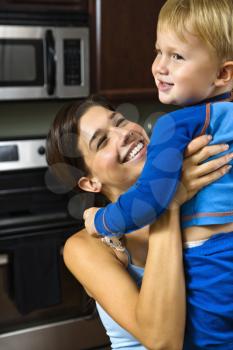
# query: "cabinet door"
123,36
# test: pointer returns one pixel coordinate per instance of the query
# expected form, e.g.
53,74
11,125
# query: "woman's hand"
89,216
195,173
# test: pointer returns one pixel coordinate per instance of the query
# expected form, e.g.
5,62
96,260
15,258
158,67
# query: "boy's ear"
225,75
89,184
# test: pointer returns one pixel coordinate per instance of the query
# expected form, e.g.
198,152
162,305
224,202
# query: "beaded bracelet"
113,244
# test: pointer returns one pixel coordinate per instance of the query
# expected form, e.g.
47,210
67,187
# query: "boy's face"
184,71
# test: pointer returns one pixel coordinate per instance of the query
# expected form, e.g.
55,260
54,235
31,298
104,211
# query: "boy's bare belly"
196,233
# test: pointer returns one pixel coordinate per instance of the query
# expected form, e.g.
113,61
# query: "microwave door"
72,54
22,62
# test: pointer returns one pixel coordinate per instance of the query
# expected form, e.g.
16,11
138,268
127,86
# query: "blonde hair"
210,20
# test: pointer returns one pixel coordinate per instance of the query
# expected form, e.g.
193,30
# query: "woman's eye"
120,121
176,56
101,142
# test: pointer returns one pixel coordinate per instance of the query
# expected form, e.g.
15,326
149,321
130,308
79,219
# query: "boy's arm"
150,196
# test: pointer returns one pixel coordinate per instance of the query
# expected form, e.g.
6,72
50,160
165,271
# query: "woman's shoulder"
80,237
81,244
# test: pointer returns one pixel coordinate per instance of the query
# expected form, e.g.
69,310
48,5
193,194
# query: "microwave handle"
51,64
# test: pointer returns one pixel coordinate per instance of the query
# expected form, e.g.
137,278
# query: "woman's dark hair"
61,146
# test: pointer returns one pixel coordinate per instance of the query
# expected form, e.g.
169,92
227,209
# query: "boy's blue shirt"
146,200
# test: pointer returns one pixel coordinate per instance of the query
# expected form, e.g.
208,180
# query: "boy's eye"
157,52
101,142
176,56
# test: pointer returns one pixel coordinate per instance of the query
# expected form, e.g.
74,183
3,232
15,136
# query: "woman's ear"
90,184
225,75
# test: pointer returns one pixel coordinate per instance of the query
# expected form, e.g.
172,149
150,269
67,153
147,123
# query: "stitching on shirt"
207,119
104,222
188,217
107,228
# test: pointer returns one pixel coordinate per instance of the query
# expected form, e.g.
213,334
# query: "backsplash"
25,119
19,119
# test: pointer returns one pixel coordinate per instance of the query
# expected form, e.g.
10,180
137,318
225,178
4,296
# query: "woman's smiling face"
114,149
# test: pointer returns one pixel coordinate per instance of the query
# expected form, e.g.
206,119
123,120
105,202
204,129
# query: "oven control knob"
41,150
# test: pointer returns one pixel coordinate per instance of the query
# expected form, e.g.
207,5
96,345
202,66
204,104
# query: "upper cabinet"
122,39
123,36
24,5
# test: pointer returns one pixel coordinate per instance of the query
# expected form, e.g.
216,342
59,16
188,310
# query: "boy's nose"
160,65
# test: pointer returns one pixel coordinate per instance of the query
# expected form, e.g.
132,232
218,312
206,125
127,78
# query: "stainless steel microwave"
43,62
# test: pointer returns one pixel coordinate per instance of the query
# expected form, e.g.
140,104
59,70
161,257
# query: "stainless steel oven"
41,62
32,216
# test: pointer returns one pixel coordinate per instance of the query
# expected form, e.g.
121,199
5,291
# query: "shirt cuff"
101,226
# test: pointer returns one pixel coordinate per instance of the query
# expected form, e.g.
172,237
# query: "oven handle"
4,258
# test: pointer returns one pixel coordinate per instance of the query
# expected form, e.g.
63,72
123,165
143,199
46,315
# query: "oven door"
31,216
71,325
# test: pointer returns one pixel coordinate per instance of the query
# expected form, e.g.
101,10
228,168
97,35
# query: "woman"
97,140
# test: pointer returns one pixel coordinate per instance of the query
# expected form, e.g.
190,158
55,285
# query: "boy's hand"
89,216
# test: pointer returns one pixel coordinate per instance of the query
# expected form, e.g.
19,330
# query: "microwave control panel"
72,62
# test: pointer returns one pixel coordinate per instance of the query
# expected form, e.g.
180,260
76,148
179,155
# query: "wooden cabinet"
32,5
122,38
49,2
122,47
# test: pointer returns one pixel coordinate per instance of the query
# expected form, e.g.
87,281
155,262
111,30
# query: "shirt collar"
222,97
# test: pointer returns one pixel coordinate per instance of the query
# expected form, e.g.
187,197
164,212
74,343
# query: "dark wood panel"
17,5
80,3
123,37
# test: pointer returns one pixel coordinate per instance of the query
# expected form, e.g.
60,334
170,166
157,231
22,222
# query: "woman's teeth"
135,151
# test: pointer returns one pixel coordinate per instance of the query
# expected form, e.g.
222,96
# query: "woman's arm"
161,305
108,282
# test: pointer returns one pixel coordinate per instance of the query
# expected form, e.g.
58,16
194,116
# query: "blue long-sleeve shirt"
145,201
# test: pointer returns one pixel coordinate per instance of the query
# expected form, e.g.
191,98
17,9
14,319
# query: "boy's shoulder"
193,119
221,118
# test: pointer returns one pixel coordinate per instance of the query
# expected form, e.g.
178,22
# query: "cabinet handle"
4,259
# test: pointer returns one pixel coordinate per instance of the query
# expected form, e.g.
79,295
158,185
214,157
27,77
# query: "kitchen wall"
19,119
26,118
